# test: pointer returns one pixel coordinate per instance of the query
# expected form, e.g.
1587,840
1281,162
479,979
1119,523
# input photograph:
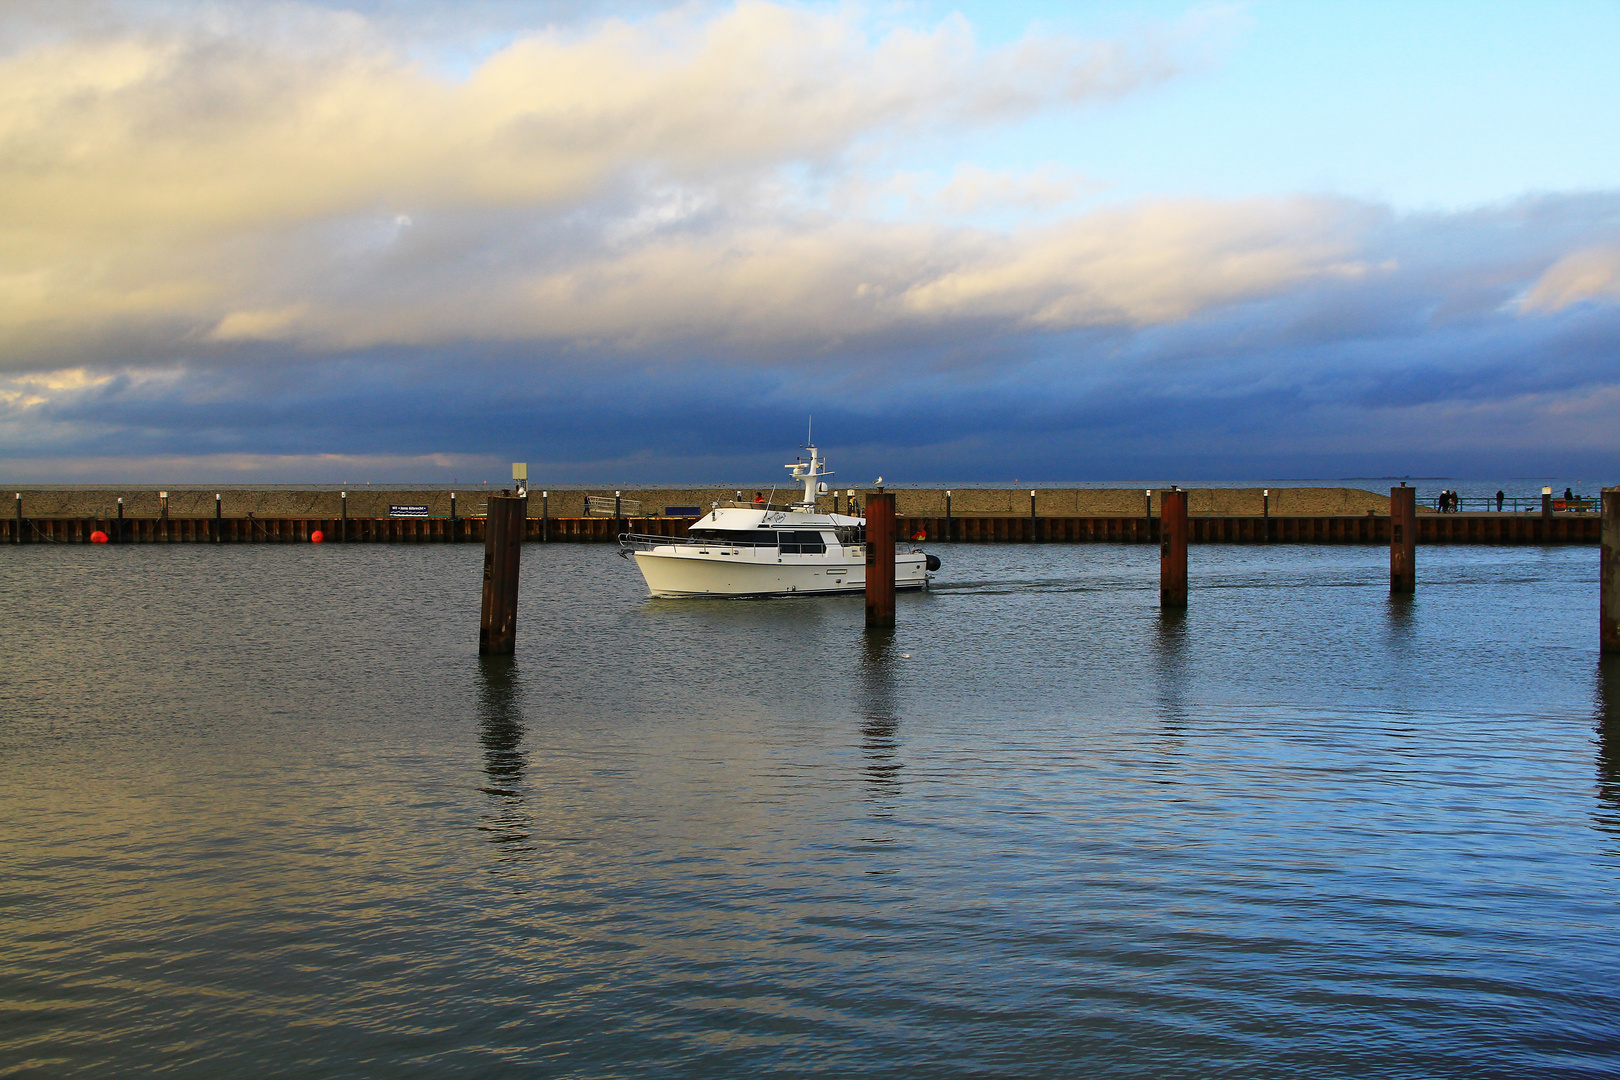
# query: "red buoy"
317,537
98,537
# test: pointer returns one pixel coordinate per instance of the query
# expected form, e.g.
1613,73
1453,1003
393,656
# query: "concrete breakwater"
639,503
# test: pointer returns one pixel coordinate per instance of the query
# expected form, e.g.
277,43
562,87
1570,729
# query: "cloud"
300,177
1593,273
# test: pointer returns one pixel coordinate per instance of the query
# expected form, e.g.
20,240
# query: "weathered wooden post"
1173,549
880,561
1609,572
1402,540
503,547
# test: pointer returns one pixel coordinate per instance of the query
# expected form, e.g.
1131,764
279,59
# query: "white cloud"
294,176
1590,274
28,391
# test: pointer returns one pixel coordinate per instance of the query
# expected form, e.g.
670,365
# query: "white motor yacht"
764,550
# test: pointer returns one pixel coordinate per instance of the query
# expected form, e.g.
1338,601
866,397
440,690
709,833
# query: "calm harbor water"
266,813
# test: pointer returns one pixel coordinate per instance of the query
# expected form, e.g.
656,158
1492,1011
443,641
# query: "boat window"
803,543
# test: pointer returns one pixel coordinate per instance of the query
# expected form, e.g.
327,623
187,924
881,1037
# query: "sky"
647,243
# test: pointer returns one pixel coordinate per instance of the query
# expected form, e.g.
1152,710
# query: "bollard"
880,561
1402,540
219,524
1609,573
1173,549
503,547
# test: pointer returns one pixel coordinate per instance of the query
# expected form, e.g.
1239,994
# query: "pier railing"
1488,505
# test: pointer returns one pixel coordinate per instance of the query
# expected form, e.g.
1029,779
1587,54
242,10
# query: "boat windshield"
803,543
739,537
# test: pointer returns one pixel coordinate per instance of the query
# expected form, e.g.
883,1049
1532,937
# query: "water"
266,813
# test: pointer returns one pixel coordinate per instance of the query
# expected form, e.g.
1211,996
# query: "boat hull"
675,572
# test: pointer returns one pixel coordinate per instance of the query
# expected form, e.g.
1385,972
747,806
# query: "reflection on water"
1607,715
880,724
1169,666
1402,631
500,731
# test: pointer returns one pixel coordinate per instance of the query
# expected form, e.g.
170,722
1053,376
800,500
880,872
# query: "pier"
1370,528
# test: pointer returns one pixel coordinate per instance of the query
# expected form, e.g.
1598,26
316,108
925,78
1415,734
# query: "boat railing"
630,542
644,542
744,504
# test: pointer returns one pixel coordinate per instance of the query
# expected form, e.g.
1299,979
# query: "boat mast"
811,473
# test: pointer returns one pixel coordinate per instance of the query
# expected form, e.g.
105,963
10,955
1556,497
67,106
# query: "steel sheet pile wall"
1360,529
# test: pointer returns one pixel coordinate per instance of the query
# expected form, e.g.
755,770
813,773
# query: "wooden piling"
1609,573
1173,549
1403,527
880,561
503,546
